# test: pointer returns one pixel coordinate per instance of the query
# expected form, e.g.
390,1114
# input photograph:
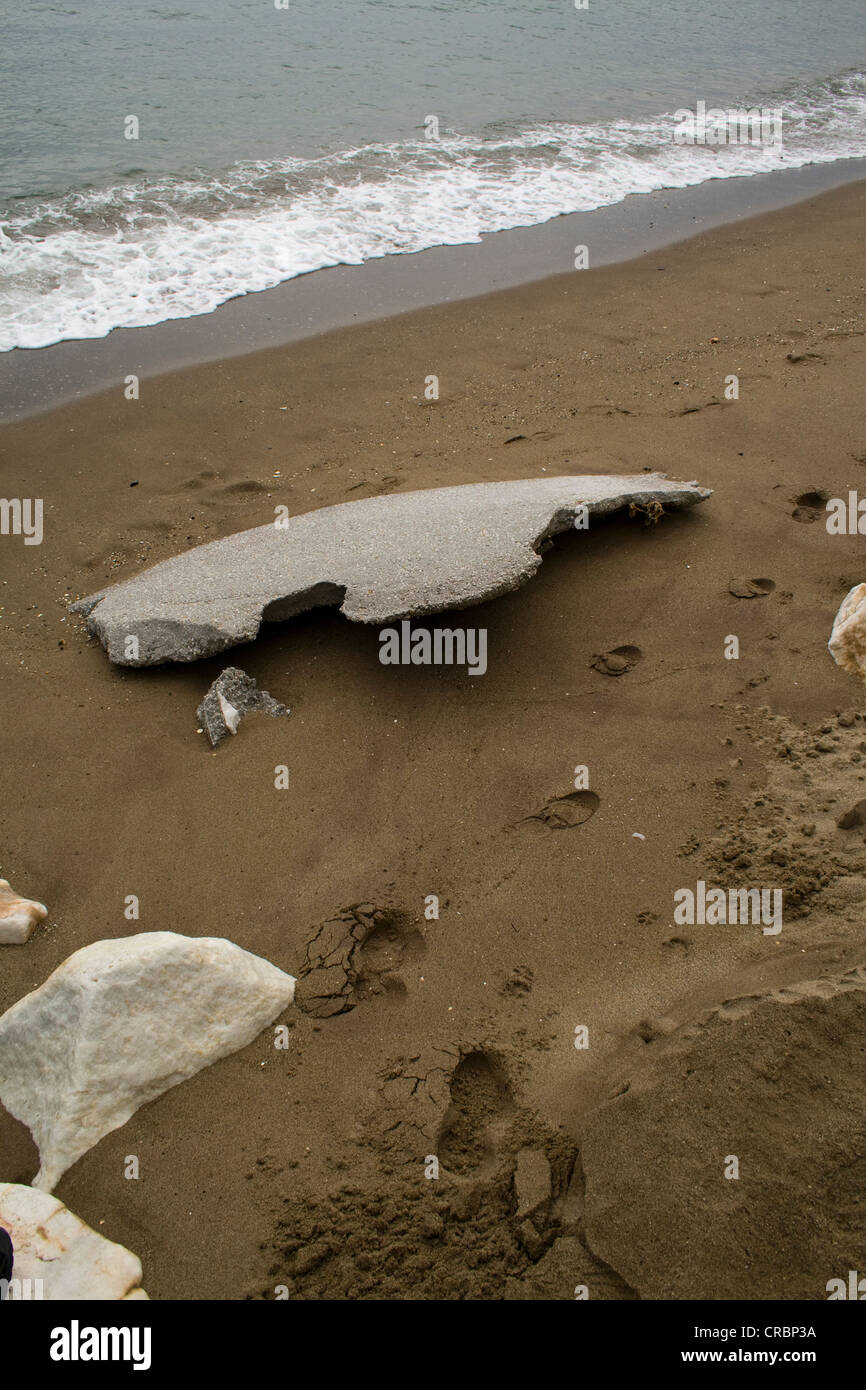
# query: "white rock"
18,916
120,1022
231,715
848,639
54,1246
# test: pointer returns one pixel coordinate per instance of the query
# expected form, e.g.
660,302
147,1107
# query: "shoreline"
34,381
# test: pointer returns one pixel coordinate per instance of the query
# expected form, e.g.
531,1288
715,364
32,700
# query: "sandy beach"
305,1169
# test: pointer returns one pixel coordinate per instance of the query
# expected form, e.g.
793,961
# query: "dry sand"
306,1168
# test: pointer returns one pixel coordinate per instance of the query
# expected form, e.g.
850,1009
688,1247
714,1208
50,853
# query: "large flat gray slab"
379,559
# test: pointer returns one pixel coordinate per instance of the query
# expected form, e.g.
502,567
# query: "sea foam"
151,249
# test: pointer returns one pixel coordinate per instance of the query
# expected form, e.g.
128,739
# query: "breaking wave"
150,249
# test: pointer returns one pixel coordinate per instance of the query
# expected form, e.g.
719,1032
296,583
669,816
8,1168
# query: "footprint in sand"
355,956
810,505
751,588
565,812
677,943
617,661
392,945
481,1104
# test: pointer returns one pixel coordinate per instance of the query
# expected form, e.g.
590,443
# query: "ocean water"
275,141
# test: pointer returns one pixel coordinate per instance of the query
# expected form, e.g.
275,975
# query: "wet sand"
32,382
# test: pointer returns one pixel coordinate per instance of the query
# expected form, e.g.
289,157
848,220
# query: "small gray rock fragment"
232,695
